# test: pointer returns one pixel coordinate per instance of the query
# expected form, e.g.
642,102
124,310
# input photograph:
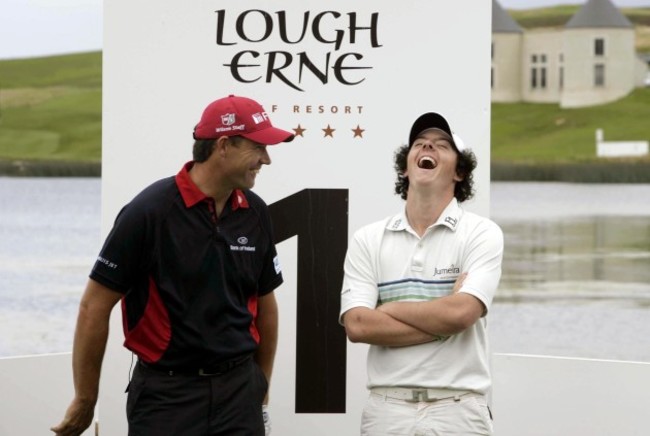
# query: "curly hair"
464,190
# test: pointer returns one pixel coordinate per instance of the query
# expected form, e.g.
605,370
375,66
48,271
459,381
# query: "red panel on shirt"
150,337
252,308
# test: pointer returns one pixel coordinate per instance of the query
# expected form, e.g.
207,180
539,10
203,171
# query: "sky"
33,28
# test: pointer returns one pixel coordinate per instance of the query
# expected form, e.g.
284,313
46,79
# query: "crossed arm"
411,323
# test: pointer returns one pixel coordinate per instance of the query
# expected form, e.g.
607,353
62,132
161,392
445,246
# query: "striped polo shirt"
387,261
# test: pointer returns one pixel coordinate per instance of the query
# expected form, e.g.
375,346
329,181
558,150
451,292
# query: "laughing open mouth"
427,163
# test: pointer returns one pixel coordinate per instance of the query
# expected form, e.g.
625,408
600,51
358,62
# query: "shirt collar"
192,194
449,217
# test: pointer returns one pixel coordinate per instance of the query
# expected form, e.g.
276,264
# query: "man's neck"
422,211
208,181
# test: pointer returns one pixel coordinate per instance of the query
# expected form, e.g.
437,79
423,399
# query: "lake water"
576,271
575,282
49,238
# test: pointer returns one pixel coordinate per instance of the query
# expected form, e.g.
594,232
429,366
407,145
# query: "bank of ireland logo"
228,119
243,245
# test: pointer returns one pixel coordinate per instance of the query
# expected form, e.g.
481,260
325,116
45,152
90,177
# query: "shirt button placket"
417,261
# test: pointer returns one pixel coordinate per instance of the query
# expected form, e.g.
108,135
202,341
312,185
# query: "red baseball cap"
232,115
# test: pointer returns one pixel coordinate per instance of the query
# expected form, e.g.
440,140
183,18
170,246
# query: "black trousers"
191,405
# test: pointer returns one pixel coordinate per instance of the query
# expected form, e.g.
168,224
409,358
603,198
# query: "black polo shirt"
190,281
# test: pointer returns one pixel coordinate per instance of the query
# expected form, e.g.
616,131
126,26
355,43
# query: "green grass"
80,70
638,16
558,16
555,16
50,108
544,133
50,111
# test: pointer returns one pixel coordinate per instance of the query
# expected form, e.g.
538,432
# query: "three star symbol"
328,131
298,131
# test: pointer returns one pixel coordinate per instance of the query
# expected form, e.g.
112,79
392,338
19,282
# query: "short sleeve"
482,262
359,273
122,254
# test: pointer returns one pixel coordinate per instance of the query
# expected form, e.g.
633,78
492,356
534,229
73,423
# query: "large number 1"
320,219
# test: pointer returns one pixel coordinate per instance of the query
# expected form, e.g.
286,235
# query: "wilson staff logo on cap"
232,115
228,119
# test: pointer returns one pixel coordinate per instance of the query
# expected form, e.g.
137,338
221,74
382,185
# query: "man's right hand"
91,335
459,283
77,419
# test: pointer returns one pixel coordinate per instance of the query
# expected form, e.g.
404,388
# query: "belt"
218,369
416,395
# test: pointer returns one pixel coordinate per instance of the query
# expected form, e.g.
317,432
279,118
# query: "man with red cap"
192,260
417,287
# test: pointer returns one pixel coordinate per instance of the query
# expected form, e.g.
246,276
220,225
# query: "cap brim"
269,136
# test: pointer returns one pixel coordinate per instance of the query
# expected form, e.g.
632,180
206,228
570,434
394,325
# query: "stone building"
590,61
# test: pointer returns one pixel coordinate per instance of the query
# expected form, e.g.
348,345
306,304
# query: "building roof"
598,13
502,22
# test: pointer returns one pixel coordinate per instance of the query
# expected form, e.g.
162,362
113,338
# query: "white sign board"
548,395
349,77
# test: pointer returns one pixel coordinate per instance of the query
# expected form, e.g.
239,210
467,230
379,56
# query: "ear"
219,146
460,172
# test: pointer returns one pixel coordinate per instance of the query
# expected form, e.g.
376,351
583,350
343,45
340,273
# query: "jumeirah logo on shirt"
449,271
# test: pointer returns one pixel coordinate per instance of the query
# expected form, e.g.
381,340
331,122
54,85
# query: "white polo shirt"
387,261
